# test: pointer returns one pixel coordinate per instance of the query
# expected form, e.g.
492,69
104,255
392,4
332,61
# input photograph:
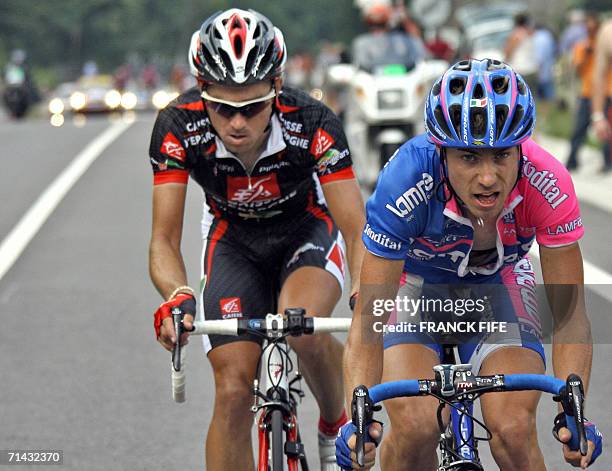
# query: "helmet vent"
464,66
478,122
500,84
436,88
238,46
478,91
457,85
501,114
525,130
251,58
257,32
433,130
522,88
268,54
455,116
516,119
494,64
439,115
225,59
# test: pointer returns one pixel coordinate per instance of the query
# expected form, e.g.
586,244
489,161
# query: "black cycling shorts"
245,265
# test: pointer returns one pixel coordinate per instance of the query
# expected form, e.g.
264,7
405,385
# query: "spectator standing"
519,50
602,91
574,32
545,48
584,63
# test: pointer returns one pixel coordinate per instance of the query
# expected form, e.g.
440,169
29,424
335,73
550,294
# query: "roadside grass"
559,122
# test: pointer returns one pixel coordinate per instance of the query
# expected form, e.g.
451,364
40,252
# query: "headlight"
112,99
129,101
390,99
160,99
78,100
56,106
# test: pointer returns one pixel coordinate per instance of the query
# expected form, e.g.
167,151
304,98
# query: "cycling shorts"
244,266
478,318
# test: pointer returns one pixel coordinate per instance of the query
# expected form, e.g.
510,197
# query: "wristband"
597,116
180,289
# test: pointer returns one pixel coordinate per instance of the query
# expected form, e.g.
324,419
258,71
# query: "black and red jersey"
306,145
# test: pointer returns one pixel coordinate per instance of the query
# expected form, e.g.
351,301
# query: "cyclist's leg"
412,440
411,443
317,291
312,276
233,288
511,417
234,367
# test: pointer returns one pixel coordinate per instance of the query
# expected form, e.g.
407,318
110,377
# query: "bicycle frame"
274,377
277,396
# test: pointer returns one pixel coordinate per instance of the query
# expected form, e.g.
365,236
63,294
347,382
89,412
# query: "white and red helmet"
237,47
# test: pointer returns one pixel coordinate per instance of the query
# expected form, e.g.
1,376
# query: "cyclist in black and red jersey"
281,201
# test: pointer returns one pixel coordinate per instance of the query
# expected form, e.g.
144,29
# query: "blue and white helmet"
480,103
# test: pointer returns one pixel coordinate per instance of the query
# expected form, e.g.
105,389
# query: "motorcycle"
384,106
17,94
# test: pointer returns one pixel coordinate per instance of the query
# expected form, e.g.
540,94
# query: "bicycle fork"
276,387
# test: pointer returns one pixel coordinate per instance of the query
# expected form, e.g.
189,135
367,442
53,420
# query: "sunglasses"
247,108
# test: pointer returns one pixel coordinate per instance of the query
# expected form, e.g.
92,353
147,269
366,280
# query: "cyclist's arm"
603,52
346,206
363,354
562,270
166,265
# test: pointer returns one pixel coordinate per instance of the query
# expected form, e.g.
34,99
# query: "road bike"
456,386
276,393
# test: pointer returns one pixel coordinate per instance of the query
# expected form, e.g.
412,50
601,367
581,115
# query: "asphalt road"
80,370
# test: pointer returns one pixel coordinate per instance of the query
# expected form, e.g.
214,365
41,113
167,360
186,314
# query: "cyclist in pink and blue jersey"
457,209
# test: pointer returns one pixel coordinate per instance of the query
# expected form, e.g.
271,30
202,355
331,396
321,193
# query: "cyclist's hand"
163,322
574,457
345,446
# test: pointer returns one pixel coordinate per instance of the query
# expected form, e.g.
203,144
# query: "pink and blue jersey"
406,219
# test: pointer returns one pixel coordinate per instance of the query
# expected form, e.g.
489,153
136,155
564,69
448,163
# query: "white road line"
25,230
595,278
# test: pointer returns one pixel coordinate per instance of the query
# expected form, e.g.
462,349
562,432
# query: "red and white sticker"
172,147
230,308
320,143
336,256
263,188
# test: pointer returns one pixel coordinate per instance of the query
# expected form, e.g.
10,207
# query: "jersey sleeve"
550,199
397,211
330,150
167,153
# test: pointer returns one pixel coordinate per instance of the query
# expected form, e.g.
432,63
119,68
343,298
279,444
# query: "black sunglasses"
248,108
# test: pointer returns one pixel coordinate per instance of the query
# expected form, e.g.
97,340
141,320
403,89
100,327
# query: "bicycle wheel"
277,452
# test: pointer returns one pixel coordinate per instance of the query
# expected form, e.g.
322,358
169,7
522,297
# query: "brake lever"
179,329
573,406
362,414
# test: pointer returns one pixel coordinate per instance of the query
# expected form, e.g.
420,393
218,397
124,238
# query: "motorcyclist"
20,92
399,47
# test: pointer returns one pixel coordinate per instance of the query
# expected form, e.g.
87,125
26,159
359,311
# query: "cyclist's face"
241,134
483,178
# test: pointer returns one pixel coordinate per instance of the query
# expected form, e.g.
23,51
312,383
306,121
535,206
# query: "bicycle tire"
277,451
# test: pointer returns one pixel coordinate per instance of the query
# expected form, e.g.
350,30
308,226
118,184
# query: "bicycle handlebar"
274,326
570,393
312,325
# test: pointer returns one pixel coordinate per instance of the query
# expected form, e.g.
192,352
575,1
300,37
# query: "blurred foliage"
63,34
